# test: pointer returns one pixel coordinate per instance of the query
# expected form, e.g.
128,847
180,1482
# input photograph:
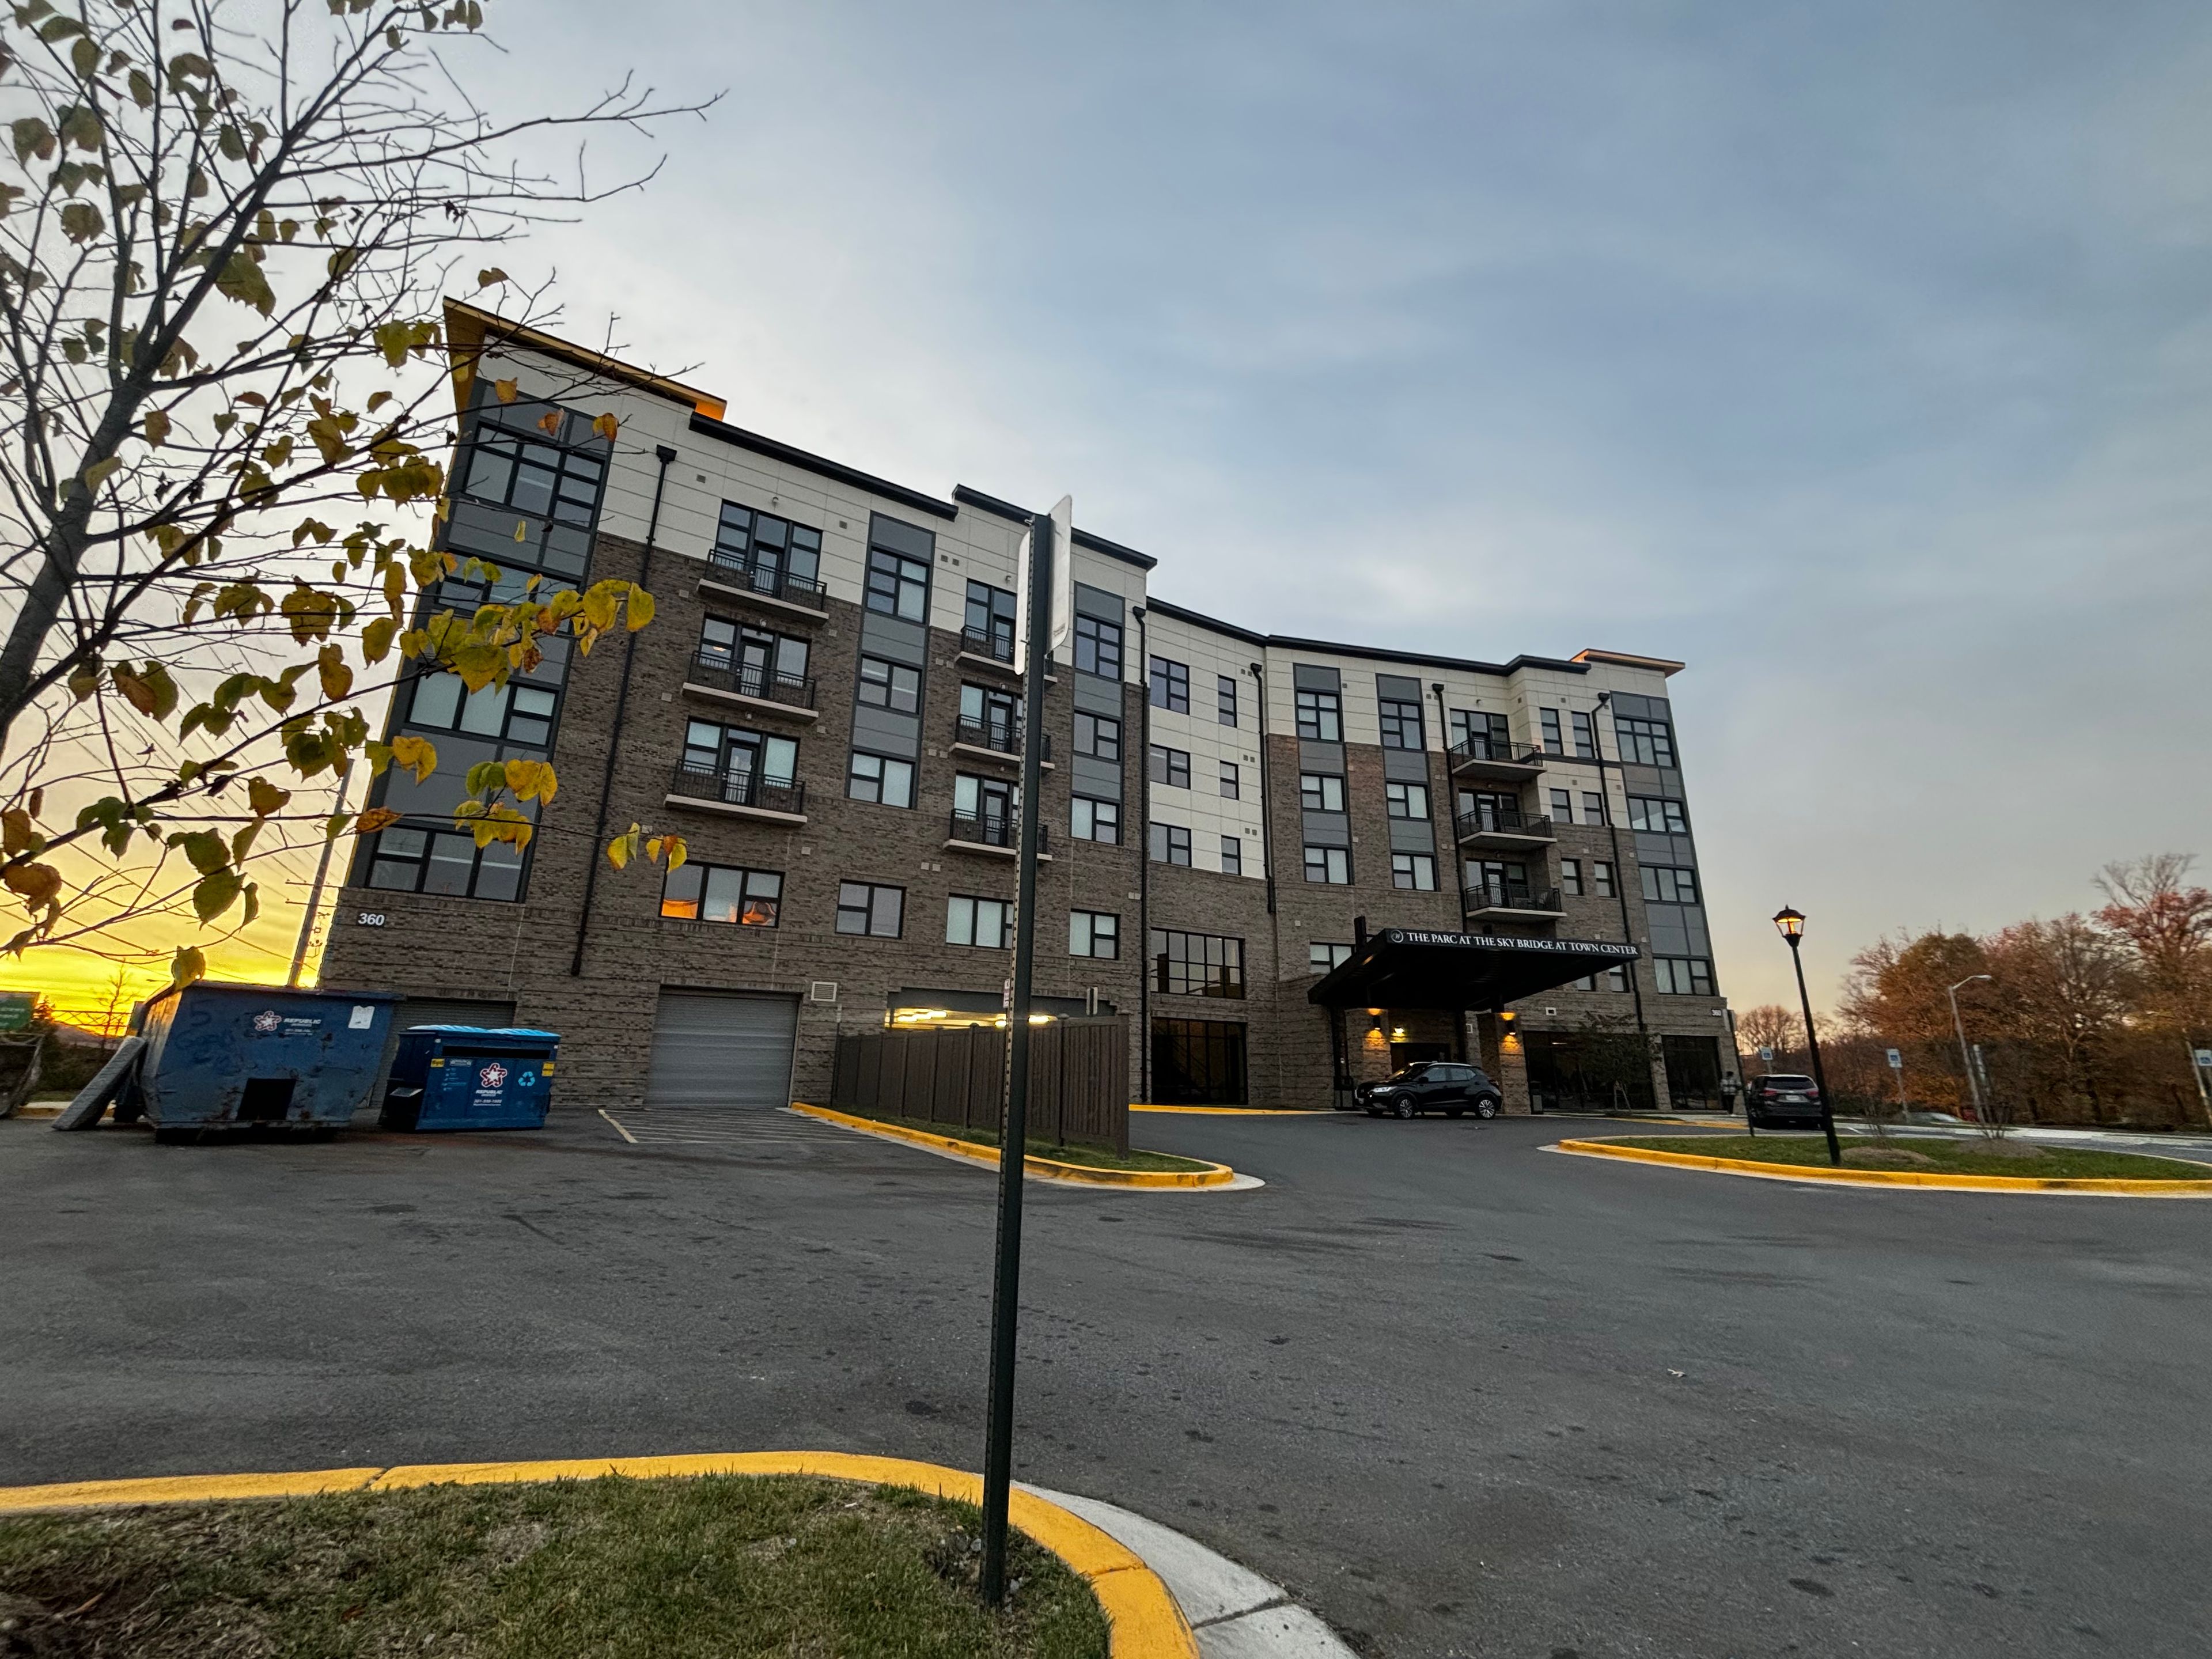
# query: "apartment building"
1291,864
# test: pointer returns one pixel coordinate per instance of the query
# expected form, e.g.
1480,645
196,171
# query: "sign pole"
1013,1140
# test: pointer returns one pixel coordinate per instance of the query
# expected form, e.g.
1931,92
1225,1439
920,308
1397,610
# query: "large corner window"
1644,743
1320,717
717,892
1197,964
407,858
897,586
1099,648
770,554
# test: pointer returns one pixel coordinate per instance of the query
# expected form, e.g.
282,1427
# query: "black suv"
1431,1086
1781,1098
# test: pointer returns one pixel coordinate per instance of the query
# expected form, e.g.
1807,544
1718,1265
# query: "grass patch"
1975,1156
612,1568
1089,1158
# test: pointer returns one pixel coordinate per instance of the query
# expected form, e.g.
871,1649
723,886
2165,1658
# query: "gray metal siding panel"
894,638
722,1049
1669,938
1326,829
1100,779
1405,766
1321,757
1097,602
1095,696
886,733
1305,677
901,537
1397,687
1412,836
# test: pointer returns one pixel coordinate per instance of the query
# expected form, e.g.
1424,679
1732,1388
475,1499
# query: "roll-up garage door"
721,1048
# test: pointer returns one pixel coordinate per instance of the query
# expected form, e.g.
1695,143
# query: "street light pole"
1967,1059
1792,924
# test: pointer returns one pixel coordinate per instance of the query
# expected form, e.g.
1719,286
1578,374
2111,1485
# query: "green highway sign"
16,1008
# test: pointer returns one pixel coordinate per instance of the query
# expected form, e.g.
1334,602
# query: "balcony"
1503,901
712,679
1478,756
998,834
738,794
981,647
1489,826
994,741
764,588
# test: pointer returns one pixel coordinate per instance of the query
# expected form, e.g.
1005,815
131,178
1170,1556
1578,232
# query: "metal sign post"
1013,1139
1897,1064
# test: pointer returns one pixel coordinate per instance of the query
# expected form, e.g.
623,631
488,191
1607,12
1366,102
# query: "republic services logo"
267,1021
493,1075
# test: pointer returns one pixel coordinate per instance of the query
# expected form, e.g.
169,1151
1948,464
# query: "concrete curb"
1146,1619
1240,1111
2082,1186
1215,1177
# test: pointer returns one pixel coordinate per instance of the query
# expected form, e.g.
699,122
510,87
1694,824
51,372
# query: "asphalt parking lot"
1462,1395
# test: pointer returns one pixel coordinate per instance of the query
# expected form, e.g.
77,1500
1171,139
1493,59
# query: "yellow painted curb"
2110,1186
1046,1169
1239,1111
1142,1616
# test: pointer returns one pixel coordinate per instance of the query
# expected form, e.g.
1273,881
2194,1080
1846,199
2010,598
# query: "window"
412,861
1498,881
1332,865
985,809
1612,979
716,892
1571,878
1406,800
1171,767
1099,736
1602,879
1099,648
1198,1062
1171,686
1549,720
1683,977
515,712
1593,807
1483,809
1644,743
1093,933
1197,964
897,586
1323,958
1480,734
530,474
773,554
1417,871
863,907
986,923
1320,717
1171,844
1563,806
1228,783
1662,816
1320,792
741,763
1225,699
990,716
1096,820
891,685
989,630
1665,884
1401,723
1233,856
758,658
1585,735
880,778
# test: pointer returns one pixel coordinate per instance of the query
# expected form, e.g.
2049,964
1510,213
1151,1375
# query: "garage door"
717,1048
430,1010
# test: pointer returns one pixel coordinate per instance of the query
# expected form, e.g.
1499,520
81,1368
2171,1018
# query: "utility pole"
1965,1059
1013,1142
322,875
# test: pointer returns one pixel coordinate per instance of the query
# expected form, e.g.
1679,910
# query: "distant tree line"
2085,1018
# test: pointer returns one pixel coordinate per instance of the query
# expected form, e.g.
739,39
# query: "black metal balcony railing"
1482,895
738,571
1501,821
992,830
996,645
1000,737
745,788
1475,749
751,680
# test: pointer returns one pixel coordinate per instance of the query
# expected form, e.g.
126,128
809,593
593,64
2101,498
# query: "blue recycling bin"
221,1056
470,1076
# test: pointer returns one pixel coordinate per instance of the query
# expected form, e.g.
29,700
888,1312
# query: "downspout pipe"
1143,758
1619,872
666,454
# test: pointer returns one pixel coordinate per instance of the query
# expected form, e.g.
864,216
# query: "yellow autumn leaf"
507,391
418,755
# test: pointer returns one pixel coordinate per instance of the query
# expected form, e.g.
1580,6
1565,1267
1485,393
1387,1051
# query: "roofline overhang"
471,332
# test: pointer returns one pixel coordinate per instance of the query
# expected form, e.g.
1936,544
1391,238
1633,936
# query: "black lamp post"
1792,924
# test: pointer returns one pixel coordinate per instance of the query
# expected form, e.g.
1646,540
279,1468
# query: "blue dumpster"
221,1056
470,1076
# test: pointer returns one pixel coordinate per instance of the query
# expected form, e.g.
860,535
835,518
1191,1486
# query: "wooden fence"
957,1078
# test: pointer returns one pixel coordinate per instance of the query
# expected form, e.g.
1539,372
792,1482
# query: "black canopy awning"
1408,968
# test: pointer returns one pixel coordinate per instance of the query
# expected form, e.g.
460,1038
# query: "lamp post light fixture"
1792,924
1967,1059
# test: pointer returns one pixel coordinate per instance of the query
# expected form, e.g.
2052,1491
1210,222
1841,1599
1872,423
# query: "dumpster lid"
487,1030
298,992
